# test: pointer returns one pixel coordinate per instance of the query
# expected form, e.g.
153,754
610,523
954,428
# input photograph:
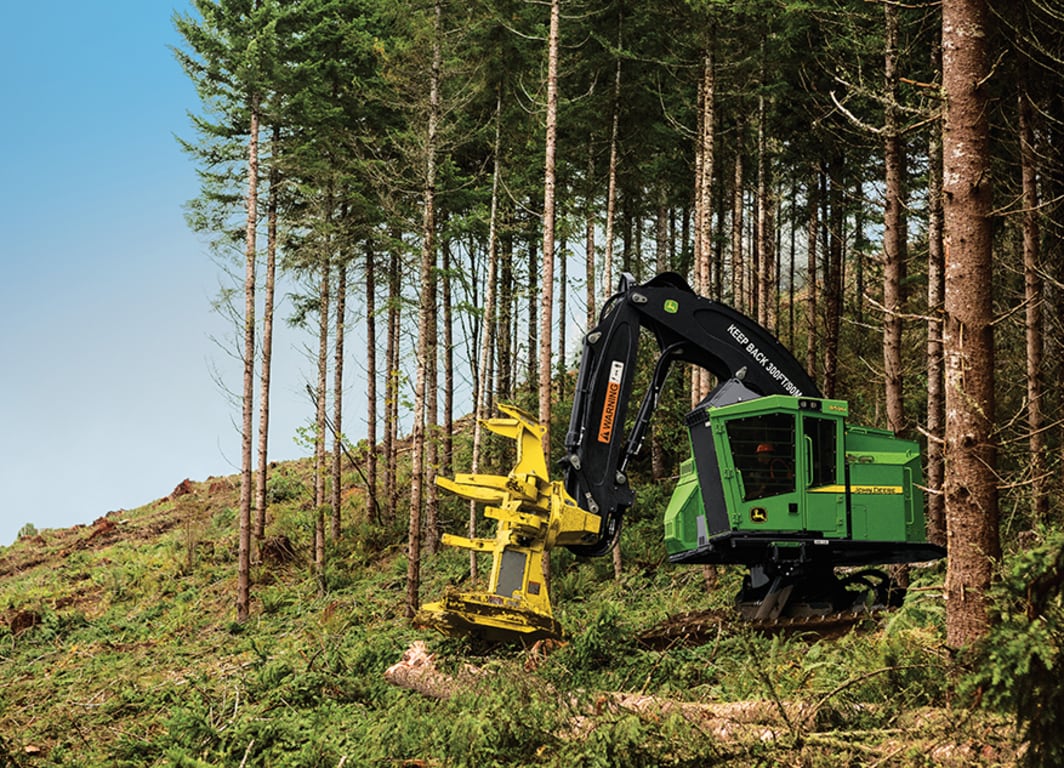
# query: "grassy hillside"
118,646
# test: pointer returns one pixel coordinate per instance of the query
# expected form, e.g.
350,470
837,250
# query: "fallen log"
804,726
416,671
758,720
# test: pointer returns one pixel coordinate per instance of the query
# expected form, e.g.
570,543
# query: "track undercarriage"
806,591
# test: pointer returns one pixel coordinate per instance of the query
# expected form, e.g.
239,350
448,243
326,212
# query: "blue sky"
107,399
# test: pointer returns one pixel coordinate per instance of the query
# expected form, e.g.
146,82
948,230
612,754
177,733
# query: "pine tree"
231,50
968,336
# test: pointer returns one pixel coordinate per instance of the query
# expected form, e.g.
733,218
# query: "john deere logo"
672,306
758,515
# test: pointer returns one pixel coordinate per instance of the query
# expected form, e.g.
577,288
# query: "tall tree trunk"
858,258
243,589
482,403
589,236
446,465
432,421
721,205
703,221
700,378
968,340
737,266
663,262
630,241
792,250
766,274
546,317
813,222
338,397
936,396
534,300
895,246
662,257
320,396
546,343
833,278
611,179
426,322
894,237
267,343
504,388
777,250
563,300
1033,302
372,506
391,384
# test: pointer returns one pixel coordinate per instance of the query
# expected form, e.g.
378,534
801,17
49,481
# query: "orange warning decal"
613,394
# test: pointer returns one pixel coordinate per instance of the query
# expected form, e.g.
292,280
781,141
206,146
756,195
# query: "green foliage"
26,531
282,487
224,518
600,642
1022,657
143,647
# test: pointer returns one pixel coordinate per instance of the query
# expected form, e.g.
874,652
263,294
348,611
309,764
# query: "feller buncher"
777,481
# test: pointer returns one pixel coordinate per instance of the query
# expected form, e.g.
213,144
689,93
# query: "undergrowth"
1020,662
130,657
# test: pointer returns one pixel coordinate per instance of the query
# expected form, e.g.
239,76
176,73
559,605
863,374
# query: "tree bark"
504,387
320,437
372,507
663,262
534,300
1033,299
968,340
765,244
700,378
737,265
446,463
833,277
391,384
721,204
936,396
432,419
482,402
546,343
267,342
611,180
546,316
338,392
792,258
589,236
243,594
813,222
563,302
426,320
894,238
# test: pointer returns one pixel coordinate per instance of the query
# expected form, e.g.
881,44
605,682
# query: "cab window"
763,453
821,433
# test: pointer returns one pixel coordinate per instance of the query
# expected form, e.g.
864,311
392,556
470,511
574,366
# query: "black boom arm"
688,328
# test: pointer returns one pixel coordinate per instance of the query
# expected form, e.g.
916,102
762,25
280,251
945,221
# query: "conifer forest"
457,189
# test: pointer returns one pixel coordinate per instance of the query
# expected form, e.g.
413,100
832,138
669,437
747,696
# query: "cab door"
761,473
821,476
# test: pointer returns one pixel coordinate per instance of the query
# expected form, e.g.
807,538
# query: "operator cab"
781,478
